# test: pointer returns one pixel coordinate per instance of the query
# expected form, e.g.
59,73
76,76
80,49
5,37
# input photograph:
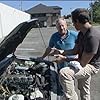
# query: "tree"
95,9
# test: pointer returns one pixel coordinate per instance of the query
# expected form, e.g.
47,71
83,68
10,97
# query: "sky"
66,5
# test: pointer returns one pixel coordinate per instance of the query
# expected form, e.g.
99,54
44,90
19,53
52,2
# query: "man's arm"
85,59
73,51
62,54
90,50
47,51
60,58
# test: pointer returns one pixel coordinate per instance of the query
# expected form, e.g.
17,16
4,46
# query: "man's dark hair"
80,14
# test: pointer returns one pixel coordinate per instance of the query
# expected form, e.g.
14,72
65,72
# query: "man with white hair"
63,39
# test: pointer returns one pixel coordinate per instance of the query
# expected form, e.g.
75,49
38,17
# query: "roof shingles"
42,9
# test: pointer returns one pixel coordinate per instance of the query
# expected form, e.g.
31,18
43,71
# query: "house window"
41,15
54,14
38,15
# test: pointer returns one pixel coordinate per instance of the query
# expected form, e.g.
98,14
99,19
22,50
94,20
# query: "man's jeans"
67,76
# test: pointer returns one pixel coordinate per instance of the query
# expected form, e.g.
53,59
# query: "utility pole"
91,11
21,5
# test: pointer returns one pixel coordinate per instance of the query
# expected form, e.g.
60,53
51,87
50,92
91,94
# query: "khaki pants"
67,76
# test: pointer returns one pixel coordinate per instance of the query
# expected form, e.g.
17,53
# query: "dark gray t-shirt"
90,43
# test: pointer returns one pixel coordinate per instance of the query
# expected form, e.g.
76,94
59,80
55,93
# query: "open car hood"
12,40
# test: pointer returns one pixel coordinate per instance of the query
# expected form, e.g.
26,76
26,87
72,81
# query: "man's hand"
56,51
59,58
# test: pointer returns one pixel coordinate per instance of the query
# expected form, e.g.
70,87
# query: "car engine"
26,80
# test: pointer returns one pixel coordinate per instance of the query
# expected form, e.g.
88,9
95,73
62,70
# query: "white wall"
10,18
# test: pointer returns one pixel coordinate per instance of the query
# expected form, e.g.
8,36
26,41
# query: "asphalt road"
34,46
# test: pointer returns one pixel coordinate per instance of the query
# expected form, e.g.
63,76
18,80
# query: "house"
46,14
10,18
